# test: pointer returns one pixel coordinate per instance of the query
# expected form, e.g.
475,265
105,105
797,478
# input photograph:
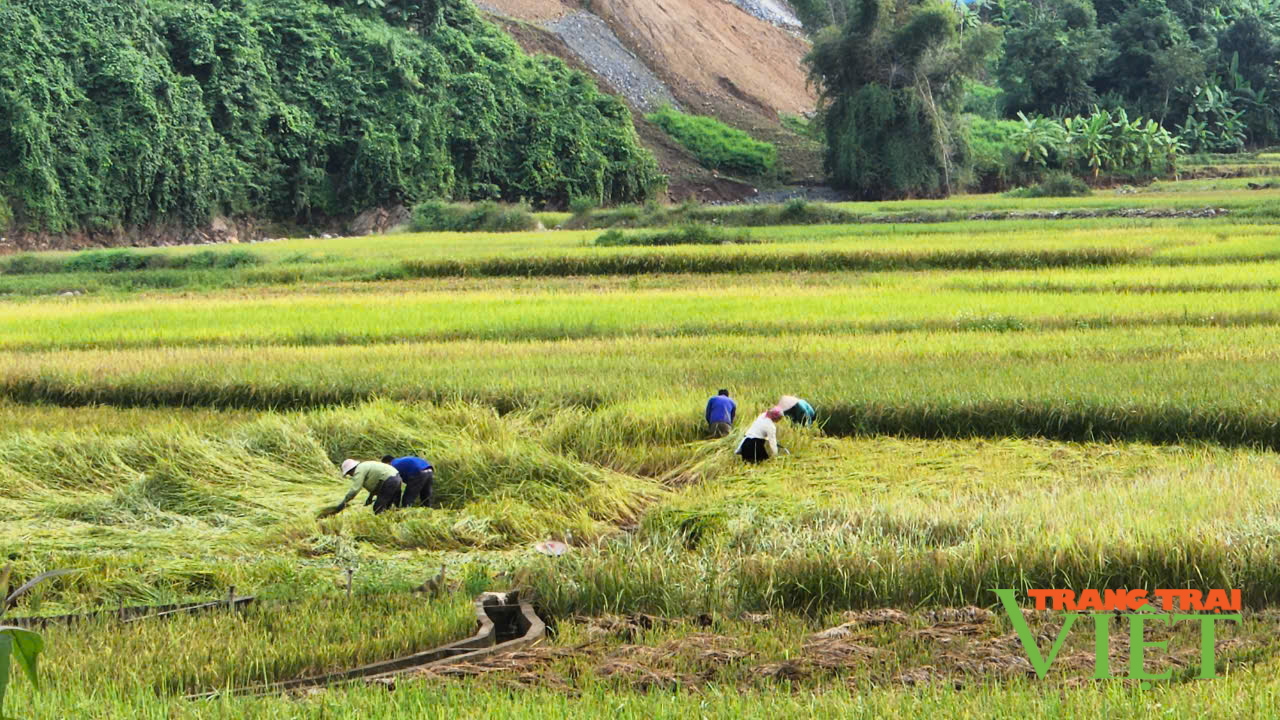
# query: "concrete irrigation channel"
134,614
505,624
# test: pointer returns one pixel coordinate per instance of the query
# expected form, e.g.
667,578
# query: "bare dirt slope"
707,50
713,57
714,49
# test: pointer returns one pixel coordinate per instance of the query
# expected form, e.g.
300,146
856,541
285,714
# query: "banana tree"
19,643
1147,139
22,645
1091,138
1036,137
1173,148
1123,148
1213,122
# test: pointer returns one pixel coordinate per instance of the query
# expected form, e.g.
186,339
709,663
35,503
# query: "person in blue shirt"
721,412
418,476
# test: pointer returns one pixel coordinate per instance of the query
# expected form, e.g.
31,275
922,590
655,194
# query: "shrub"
31,265
690,234
981,100
888,103
797,211
794,210
6,215
1022,151
716,145
582,206
803,127
208,259
437,216
123,260
818,14
993,154
1055,184
107,261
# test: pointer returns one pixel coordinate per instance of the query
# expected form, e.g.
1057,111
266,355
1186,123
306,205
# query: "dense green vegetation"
1101,147
690,234
141,112
1054,185
716,145
1206,71
1198,78
486,216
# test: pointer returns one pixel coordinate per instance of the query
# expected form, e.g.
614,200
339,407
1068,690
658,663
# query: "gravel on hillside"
593,41
775,12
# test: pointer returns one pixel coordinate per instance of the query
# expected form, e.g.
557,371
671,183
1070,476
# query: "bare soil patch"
705,49
947,647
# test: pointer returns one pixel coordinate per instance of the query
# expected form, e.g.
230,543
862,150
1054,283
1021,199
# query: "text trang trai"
1136,607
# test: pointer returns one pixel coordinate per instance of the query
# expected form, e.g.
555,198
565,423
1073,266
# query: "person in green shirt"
797,410
381,480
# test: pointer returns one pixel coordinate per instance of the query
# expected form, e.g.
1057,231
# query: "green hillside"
134,112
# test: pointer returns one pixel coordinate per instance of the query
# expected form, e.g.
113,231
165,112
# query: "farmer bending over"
721,412
761,441
799,411
418,476
381,480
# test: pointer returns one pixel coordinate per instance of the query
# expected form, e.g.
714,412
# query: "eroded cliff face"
740,61
707,51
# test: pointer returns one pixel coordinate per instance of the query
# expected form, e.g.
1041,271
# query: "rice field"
1026,403
445,259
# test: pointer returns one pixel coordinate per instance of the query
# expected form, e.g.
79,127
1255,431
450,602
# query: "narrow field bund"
1116,288
826,261
1161,201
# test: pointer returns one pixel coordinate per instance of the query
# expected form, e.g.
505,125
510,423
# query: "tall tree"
1253,47
1145,37
1052,50
891,83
